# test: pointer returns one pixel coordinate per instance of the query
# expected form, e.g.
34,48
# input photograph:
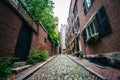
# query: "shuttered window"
100,24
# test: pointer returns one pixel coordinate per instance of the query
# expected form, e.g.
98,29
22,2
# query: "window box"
92,39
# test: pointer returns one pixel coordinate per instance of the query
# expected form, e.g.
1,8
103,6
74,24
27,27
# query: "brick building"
94,27
41,39
19,34
62,38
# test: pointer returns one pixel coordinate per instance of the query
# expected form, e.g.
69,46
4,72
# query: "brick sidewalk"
107,72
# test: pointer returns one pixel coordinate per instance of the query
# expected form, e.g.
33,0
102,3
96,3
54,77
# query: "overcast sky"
61,10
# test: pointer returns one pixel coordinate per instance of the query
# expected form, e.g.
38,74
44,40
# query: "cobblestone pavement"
107,72
61,68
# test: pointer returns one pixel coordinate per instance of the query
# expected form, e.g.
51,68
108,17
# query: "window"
77,24
92,28
75,11
84,34
100,25
72,32
16,2
86,5
45,40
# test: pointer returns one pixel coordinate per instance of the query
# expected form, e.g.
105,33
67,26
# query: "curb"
88,69
22,77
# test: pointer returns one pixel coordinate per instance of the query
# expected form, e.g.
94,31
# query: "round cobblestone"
61,68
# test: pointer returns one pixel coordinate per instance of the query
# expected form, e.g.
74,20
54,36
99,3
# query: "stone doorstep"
20,69
26,74
19,64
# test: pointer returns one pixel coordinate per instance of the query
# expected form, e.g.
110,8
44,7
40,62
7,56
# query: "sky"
61,10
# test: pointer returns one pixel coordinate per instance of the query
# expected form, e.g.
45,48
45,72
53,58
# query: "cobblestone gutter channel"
63,68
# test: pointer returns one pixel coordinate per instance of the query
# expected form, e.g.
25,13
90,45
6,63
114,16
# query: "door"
23,43
77,44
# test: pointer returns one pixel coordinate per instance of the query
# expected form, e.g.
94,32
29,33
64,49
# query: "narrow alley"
62,68
59,39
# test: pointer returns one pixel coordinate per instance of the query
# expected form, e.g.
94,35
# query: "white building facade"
63,36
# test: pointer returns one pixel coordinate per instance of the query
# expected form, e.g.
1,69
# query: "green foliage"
5,67
72,47
37,56
93,38
42,10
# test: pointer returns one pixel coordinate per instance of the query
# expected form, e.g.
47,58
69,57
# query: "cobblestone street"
62,68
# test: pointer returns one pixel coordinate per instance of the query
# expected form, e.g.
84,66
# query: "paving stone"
62,68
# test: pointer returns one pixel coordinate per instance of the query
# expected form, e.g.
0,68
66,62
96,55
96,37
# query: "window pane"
78,22
85,7
84,35
75,11
88,3
95,26
92,29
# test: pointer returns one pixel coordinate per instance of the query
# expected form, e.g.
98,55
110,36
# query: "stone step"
19,64
20,69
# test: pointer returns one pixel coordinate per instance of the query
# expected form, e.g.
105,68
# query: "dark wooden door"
23,43
77,44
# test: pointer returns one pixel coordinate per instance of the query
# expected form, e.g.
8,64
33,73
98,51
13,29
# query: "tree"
42,10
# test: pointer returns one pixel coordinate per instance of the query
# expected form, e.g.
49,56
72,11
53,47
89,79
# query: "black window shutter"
106,26
101,29
102,12
103,23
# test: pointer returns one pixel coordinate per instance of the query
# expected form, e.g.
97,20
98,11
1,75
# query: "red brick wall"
10,24
110,43
38,40
9,28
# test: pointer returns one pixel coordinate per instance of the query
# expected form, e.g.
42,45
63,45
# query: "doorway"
23,44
